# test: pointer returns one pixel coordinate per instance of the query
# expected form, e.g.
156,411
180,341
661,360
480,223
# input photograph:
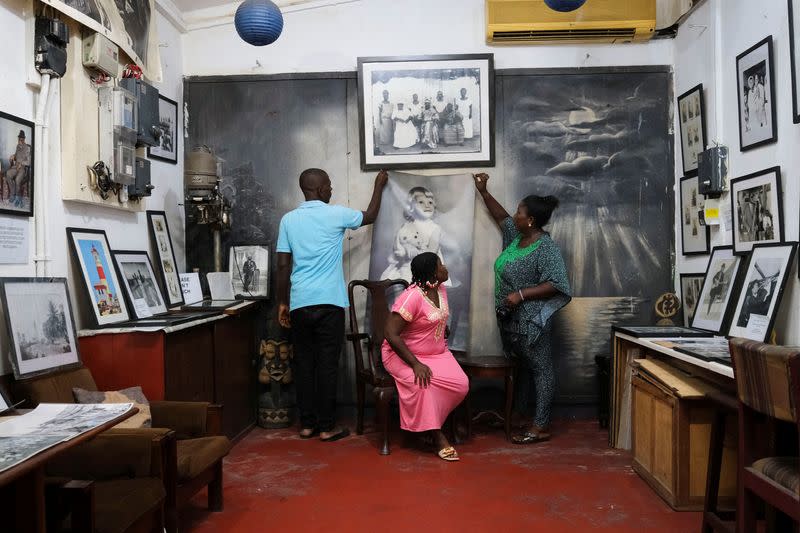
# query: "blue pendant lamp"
258,22
564,5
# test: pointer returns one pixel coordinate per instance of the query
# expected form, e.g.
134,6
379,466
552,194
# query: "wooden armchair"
113,483
369,366
194,456
768,387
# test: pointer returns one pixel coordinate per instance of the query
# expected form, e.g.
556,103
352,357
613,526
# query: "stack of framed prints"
40,325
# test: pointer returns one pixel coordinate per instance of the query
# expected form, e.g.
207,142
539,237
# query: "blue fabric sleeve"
283,245
351,219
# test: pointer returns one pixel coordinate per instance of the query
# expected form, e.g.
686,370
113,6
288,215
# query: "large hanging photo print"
426,111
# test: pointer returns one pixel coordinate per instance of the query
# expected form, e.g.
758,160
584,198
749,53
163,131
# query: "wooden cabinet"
671,431
210,360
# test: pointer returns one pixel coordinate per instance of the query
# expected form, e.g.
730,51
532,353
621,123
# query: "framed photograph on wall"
794,52
248,266
696,237
93,256
757,208
165,257
167,148
426,111
764,281
139,280
692,115
40,325
719,283
756,91
17,152
691,284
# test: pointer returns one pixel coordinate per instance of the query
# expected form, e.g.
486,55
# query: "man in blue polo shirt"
310,248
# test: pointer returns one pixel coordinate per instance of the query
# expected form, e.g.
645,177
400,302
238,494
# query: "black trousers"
317,338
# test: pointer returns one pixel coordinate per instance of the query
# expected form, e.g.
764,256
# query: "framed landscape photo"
692,114
426,111
17,152
794,52
757,209
167,147
40,325
248,266
93,256
139,280
165,257
764,281
756,91
691,284
719,284
696,237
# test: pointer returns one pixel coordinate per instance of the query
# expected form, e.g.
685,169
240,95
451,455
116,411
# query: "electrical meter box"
117,133
712,171
148,131
101,54
141,186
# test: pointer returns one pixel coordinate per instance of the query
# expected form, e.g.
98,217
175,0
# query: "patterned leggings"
536,377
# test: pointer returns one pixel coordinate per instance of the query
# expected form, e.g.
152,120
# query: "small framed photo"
165,257
719,283
764,281
40,325
17,152
248,266
167,148
757,208
696,237
426,111
690,294
756,90
93,256
692,113
139,280
794,51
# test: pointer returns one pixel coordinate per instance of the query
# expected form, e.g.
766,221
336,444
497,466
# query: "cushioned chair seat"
195,455
784,471
120,503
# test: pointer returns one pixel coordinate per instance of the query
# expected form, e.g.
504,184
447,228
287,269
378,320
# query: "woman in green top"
531,285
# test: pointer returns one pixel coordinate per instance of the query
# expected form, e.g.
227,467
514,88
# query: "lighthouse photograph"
102,284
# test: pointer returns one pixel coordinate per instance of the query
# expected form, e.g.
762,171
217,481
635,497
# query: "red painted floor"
572,483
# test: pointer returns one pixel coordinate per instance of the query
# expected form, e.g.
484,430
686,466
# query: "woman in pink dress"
430,382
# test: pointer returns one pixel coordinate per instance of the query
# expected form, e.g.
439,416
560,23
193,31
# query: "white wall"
125,230
331,38
705,52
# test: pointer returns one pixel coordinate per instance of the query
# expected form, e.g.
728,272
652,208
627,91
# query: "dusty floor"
275,481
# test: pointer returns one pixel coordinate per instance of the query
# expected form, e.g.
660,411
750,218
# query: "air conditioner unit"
597,21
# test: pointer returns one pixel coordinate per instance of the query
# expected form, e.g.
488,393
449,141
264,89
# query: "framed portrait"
426,111
692,114
93,257
165,257
764,281
690,293
40,325
167,148
248,265
696,235
719,284
756,91
757,208
794,52
17,152
139,280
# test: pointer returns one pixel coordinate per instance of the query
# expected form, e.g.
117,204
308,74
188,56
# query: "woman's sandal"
313,433
530,437
449,454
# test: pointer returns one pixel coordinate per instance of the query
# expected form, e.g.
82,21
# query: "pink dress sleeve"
407,304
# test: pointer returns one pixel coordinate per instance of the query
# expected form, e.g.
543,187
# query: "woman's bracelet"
521,295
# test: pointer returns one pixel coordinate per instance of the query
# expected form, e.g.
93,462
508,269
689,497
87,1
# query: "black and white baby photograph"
757,209
249,269
756,96
428,214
